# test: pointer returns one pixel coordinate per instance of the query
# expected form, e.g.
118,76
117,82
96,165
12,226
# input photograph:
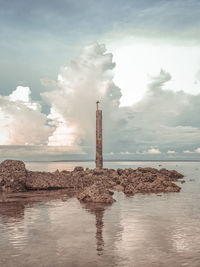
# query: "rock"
120,171
78,169
118,187
149,182
89,185
171,174
96,193
47,180
98,171
13,176
57,172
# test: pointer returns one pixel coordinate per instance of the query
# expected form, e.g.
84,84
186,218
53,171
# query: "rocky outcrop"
13,176
96,193
149,180
47,180
90,184
78,169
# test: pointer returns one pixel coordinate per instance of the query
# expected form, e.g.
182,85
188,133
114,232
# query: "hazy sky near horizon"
141,58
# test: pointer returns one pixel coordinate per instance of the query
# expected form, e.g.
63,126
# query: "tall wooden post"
99,155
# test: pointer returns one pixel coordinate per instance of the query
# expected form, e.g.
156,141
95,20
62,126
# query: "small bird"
97,104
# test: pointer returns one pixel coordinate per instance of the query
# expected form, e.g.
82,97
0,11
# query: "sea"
140,231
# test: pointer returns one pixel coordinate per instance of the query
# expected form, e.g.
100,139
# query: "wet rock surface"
90,185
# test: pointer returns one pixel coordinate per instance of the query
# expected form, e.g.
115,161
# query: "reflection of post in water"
98,210
99,231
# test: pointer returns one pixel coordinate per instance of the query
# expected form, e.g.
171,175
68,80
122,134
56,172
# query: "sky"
141,59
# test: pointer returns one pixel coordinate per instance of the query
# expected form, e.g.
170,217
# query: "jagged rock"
98,171
78,169
96,193
89,185
172,174
120,171
13,176
47,180
56,172
118,187
143,185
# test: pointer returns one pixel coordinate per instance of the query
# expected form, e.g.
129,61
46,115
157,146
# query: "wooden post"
99,155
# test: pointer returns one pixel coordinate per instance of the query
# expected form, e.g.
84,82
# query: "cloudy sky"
140,58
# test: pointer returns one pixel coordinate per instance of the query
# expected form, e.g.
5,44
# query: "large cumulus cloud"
87,79
164,120
165,123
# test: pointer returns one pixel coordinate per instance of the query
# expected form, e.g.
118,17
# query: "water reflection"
98,211
145,230
13,211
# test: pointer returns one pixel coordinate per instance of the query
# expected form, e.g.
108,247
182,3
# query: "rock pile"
90,185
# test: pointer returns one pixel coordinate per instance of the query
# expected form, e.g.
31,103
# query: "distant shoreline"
117,160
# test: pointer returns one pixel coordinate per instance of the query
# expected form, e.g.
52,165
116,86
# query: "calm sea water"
144,230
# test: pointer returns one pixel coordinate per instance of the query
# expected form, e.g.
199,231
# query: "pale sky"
140,58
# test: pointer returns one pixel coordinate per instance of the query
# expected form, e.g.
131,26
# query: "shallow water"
144,230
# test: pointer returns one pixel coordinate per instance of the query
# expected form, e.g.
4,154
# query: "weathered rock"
120,171
89,185
144,185
47,180
13,176
171,174
56,172
98,171
78,169
118,187
96,193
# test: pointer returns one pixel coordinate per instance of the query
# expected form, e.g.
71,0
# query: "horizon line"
118,160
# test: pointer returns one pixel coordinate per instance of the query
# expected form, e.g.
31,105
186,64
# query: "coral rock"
78,169
96,193
13,176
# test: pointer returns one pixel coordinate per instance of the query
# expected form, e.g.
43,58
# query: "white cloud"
21,94
192,152
187,151
21,120
84,81
125,153
139,59
171,152
197,150
62,135
152,151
